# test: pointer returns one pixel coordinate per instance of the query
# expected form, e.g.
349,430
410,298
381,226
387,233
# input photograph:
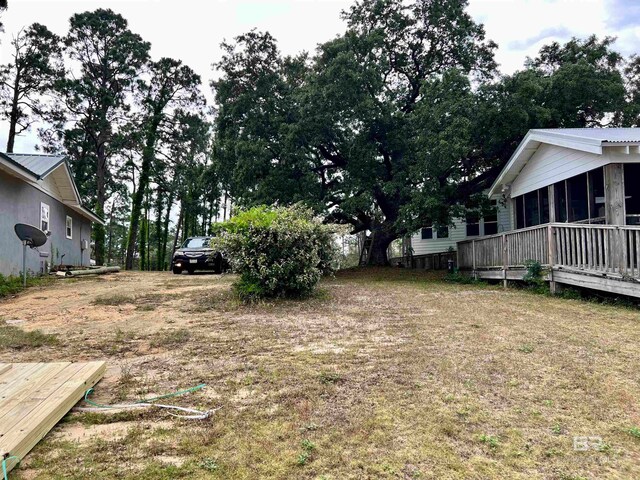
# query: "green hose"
5,474
148,400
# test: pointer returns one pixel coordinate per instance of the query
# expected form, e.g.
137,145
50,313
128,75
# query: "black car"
196,254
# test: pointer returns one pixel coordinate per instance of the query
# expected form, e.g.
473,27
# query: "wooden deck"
35,396
599,257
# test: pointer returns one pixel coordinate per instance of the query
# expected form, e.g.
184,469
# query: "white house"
574,201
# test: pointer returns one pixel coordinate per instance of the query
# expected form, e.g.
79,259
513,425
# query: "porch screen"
578,198
532,208
632,192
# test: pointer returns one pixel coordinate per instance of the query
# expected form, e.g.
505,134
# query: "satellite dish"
30,236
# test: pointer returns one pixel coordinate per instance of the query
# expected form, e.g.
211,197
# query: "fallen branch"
91,271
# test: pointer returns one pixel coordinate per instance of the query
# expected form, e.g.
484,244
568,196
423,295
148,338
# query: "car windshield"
196,243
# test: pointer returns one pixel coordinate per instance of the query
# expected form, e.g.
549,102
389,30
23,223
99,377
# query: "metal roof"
608,135
38,165
591,140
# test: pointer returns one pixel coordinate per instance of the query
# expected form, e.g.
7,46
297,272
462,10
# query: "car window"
196,243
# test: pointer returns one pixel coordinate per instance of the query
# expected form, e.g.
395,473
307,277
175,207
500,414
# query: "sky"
192,30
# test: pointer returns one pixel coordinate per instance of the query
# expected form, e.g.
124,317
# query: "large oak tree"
354,132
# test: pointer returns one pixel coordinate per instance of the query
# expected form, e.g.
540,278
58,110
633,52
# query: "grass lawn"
384,374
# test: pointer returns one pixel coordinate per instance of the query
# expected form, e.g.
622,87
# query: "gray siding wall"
20,203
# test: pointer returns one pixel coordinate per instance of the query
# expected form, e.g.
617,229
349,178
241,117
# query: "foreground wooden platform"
35,396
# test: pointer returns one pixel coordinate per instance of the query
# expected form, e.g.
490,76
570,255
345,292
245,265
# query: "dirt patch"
388,374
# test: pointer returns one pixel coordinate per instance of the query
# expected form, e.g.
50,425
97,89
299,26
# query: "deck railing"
609,249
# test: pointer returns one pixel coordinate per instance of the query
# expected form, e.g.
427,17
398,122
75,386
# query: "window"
581,198
44,217
578,198
491,220
632,193
427,233
543,195
596,196
560,196
531,209
520,211
69,227
473,225
197,242
443,232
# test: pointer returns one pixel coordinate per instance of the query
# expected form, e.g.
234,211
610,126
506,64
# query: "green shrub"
13,284
12,337
278,252
533,277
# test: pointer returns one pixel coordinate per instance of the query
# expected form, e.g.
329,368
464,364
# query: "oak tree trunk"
379,247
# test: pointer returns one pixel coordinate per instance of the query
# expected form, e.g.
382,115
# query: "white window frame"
68,227
45,208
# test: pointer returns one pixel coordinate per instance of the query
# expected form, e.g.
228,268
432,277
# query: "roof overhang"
85,212
530,144
60,174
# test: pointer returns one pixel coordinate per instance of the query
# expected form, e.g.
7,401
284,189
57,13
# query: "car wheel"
177,271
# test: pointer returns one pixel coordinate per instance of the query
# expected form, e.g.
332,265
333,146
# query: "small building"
39,190
574,201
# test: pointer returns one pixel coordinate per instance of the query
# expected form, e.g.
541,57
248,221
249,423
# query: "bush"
278,252
13,284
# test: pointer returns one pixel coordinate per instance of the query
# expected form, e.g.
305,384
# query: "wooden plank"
55,402
16,378
592,248
558,233
601,283
583,243
4,367
607,256
600,248
630,244
637,235
26,394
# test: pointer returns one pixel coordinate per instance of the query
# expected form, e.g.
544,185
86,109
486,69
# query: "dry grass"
386,374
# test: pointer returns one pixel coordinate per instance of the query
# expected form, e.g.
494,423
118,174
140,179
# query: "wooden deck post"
552,204
504,260
473,254
615,213
552,257
614,194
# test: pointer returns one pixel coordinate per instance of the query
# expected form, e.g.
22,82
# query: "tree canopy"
400,122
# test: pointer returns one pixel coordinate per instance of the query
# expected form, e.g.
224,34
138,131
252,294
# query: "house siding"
20,203
505,223
551,164
458,233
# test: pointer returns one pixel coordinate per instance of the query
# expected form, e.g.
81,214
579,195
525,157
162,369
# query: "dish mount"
31,237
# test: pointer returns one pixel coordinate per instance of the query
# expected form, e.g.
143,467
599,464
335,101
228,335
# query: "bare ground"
383,374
